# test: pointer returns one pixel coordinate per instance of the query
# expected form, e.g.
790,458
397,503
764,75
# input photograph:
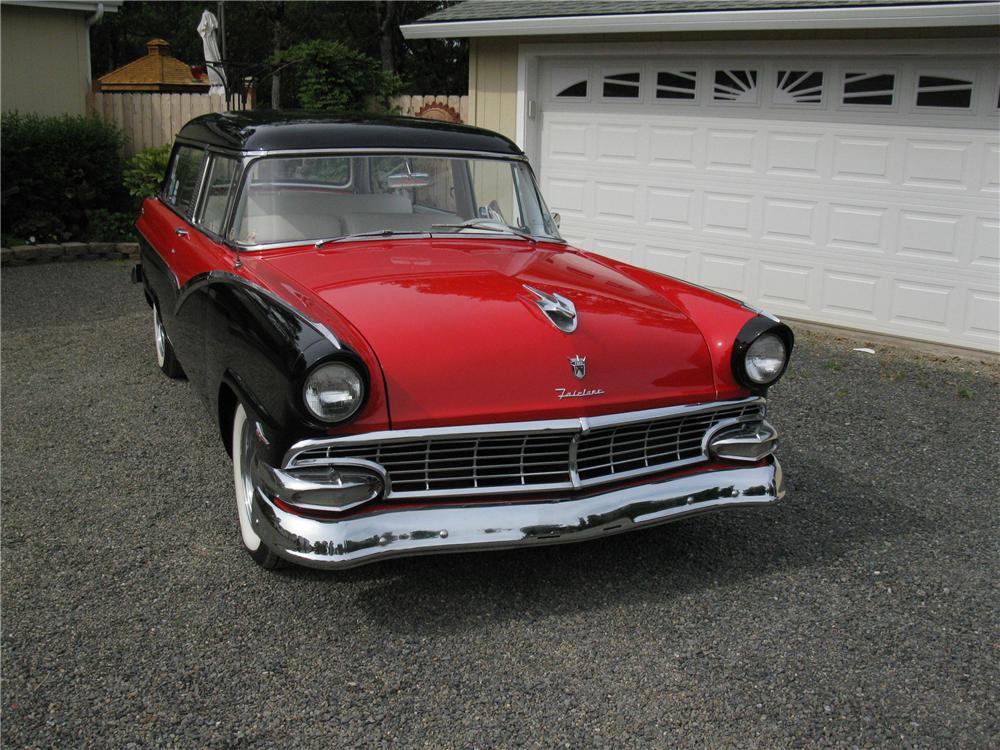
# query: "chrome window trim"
304,153
423,234
249,158
576,427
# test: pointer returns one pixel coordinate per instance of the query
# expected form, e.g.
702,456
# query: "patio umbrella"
206,30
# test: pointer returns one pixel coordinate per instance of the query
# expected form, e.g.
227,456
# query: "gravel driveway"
861,612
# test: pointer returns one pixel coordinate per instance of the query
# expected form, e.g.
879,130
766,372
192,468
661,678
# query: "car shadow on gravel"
454,593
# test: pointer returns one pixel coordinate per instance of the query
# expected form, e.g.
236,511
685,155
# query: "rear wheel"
165,357
243,437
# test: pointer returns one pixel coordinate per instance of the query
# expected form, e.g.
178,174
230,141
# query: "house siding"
44,60
493,84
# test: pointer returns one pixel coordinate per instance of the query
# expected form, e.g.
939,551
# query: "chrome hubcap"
159,336
243,456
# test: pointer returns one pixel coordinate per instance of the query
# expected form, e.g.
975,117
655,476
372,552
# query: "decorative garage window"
576,90
676,84
944,91
799,87
737,86
570,82
621,86
871,89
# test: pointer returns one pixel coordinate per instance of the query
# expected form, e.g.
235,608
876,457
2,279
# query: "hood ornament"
559,310
579,365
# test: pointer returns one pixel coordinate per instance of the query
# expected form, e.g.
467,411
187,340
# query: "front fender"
260,348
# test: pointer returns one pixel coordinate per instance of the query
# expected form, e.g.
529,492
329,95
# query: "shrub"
55,169
111,226
144,172
331,77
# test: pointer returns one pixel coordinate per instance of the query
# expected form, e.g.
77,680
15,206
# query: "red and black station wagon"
404,357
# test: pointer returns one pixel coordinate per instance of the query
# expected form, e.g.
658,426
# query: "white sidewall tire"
242,432
159,338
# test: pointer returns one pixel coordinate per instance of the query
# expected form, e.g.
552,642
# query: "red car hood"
461,340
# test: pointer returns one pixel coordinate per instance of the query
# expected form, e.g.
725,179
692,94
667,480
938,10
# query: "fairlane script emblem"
579,365
567,393
559,310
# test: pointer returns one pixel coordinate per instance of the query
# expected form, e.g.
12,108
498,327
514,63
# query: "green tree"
331,77
256,30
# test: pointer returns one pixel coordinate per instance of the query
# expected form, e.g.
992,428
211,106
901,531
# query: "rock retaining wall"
22,255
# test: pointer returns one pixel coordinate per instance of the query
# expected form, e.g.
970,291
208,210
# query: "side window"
220,182
182,180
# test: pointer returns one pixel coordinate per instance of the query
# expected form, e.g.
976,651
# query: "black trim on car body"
750,332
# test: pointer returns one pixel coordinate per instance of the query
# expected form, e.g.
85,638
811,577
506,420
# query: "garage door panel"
986,244
788,286
861,159
670,208
675,147
858,228
731,150
937,164
929,236
982,320
672,261
991,169
796,154
851,294
794,221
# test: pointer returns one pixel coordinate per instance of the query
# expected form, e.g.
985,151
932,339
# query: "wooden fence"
151,120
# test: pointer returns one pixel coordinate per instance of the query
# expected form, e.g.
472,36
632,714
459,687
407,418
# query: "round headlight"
765,359
333,392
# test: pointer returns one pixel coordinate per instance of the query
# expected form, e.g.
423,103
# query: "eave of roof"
720,16
110,6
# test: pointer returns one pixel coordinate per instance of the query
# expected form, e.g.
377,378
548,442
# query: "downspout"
96,18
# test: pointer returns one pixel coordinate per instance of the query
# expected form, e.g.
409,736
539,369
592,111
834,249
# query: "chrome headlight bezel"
355,379
753,331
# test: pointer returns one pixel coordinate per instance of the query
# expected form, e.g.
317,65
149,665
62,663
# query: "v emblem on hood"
559,310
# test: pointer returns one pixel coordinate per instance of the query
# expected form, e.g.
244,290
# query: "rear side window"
220,181
182,180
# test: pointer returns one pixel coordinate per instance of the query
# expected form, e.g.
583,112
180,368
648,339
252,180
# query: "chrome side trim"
207,278
366,538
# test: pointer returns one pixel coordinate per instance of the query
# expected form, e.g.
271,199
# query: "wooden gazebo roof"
156,71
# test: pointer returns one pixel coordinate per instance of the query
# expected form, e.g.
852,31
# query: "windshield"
301,199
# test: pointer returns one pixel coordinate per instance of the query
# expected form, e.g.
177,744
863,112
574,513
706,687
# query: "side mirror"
556,218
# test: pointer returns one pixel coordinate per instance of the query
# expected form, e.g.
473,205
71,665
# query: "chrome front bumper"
360,539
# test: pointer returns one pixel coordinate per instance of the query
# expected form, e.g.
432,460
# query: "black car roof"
274,131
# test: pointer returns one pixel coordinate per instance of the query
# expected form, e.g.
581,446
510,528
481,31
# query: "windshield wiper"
490,226
373,233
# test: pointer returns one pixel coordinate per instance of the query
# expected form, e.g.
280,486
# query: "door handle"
181,232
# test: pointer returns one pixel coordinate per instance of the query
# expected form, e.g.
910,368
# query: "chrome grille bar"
532,456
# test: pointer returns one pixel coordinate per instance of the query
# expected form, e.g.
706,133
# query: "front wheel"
243,437
165,356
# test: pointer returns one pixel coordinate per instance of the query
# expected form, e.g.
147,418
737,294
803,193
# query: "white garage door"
856,192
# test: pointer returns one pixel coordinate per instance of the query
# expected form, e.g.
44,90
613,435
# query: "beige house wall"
493,84
43,60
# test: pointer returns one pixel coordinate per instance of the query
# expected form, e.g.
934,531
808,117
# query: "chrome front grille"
531,456
657,443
